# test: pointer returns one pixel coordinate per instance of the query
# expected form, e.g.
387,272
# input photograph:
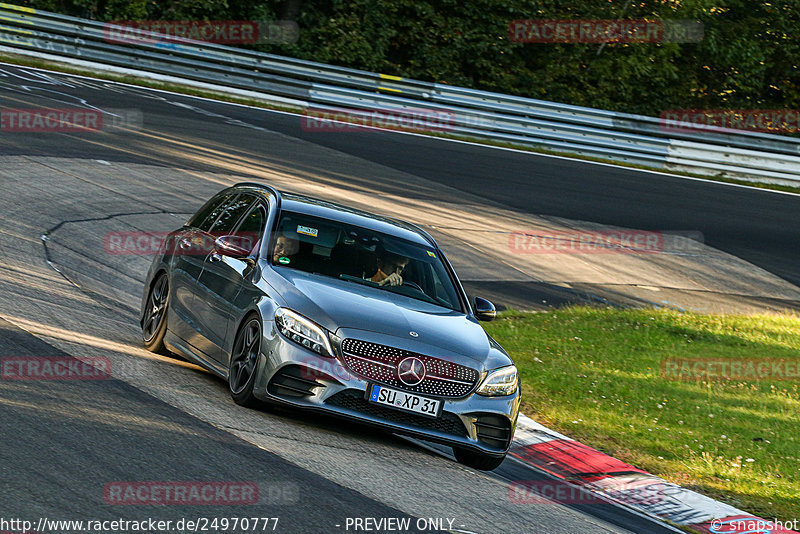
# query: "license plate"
403,400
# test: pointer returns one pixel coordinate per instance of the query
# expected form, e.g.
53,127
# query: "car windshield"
358,255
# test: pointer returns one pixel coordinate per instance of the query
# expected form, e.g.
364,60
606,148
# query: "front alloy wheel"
244,362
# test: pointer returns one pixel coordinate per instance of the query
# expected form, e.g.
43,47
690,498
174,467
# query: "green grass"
595,375
28,61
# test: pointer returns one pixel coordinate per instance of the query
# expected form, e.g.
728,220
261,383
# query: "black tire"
476,460
154,323
244,363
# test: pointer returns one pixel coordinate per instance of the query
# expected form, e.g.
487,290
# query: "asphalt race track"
751,224
162,419
58,449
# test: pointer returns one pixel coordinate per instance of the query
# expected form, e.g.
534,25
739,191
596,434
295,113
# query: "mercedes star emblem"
411,371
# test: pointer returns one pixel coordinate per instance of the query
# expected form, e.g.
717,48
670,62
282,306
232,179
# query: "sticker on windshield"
307,230
284,260
431,254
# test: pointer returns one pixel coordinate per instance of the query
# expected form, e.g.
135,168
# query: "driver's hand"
393,279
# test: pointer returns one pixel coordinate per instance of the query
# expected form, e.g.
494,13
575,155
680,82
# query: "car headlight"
303,331
503,381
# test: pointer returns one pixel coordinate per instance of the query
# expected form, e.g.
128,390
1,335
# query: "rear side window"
231,214
206,215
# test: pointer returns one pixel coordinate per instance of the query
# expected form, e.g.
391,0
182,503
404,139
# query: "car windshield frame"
419,252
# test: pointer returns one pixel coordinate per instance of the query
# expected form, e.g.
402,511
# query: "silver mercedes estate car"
318,306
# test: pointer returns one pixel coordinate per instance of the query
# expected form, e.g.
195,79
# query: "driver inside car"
390,267
286,248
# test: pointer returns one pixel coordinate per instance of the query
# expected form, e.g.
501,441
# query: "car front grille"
379,363
351,399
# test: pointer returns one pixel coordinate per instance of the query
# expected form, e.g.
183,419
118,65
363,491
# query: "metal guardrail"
473,113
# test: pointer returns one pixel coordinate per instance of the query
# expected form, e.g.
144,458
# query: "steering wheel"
414,285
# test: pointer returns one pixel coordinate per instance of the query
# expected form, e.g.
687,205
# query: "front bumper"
294,376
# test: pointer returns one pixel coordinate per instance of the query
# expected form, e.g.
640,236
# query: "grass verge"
596,375
29,61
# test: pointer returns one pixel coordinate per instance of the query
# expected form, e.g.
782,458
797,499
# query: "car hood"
353,310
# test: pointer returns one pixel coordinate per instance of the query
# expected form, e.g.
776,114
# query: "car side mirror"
484,310
233,246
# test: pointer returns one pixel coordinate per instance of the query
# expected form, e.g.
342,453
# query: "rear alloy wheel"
154,323
244,362
476,460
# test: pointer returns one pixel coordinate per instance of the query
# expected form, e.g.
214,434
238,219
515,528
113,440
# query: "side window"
251,229
206,215
231,215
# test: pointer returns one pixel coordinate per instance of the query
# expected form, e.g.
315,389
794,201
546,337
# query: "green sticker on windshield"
284,260
431,254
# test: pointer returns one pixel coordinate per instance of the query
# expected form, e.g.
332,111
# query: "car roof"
338,212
